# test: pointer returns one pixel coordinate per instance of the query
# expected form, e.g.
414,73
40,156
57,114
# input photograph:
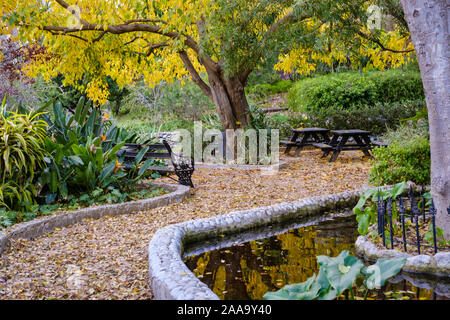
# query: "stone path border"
437,265
170,279
38,227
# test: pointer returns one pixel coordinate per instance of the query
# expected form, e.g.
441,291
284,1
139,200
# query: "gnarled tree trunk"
428,22
230,100
228,94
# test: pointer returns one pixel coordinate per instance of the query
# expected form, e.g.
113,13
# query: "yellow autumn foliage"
124,58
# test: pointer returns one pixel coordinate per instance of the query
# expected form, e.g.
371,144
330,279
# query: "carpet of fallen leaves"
107,258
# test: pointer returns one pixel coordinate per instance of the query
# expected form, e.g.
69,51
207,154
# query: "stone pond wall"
170,278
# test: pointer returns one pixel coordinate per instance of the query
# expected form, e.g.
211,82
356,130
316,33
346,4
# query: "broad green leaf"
144,167
363,223
307,290
106,172
79,109
383,269
327,292
140,155
76,160
338,280
398,189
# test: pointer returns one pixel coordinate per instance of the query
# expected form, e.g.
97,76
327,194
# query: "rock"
420,263
443,289
442,260
392,254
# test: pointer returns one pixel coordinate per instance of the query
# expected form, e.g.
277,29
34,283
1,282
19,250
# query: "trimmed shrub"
351,90
406,158
376,118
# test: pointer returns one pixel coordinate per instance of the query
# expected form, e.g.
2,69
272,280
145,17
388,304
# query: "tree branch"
194,74
290,17
207,61
378,42
133,25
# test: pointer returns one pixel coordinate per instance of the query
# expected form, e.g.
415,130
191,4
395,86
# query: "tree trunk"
428,22
229,97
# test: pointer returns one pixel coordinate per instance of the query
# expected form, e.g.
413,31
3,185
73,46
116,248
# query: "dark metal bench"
183,167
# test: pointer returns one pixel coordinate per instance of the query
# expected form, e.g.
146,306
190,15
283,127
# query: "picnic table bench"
183,167
309,137
341,142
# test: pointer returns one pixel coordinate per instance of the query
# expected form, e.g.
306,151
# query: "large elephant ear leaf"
326,292
382,270
341,271
363,223
307,290
398,189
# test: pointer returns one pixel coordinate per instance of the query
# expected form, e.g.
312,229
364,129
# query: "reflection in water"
248,270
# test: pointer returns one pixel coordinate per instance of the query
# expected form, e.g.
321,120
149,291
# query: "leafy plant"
429,238
109,195
351,90
23,154
337,276
368,216
402,161
82,148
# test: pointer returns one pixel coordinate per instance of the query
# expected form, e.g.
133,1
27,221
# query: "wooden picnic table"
306,137
340,142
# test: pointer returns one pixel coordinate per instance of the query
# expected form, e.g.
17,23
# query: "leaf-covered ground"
107,258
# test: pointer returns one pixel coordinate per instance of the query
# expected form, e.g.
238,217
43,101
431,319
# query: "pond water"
247,265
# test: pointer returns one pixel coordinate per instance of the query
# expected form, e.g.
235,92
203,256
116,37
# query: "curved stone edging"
437,265
38,227
170,278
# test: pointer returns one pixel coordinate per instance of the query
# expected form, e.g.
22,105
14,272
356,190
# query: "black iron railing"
417,210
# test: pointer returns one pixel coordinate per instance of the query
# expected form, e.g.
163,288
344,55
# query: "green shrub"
82,148
264,90
22,155
351,90
402,160
376,118
407,132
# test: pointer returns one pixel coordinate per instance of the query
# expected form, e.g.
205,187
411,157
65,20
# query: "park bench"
182,166
306,137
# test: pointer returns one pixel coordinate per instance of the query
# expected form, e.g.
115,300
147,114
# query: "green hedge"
402,162
351,90
406,158
375,118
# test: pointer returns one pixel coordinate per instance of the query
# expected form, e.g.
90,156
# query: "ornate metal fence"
411,208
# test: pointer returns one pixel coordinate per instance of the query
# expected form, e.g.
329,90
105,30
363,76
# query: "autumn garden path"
107,258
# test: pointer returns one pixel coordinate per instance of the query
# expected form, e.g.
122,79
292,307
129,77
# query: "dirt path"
107,258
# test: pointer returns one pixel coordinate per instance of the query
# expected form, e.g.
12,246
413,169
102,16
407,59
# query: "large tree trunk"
428,22
230,100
